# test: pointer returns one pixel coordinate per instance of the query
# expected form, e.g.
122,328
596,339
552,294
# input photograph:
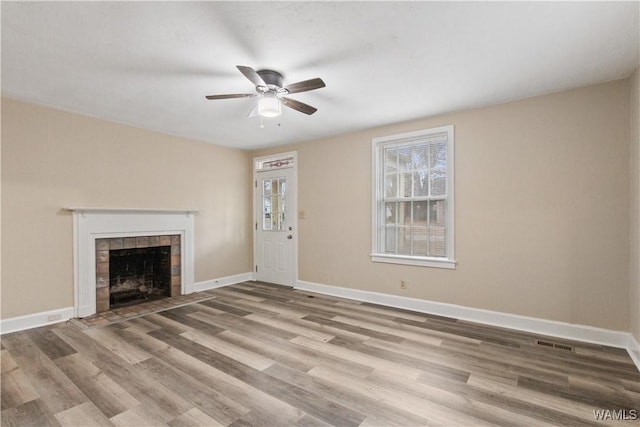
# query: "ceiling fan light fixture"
269,106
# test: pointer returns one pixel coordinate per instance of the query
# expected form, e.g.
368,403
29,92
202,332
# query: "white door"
275,205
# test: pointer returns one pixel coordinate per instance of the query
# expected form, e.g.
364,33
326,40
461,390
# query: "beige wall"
542,210
634,270
542,205
52,159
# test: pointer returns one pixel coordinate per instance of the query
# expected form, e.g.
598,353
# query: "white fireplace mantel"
91,223
131,210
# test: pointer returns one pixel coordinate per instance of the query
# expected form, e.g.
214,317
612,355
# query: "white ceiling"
150,64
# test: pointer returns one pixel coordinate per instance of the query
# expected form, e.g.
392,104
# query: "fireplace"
96,231
131,270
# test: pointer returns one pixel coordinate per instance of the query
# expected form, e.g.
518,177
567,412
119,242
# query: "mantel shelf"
131,210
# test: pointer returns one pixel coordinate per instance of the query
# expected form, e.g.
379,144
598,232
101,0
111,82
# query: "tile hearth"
133,311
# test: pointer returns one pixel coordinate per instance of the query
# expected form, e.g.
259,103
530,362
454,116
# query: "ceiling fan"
272,94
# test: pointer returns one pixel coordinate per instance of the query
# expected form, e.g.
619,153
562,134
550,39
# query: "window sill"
411,260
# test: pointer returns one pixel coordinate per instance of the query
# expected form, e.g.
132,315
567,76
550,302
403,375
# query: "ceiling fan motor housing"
271,78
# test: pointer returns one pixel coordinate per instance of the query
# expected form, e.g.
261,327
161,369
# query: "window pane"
419,157
390,160
438,155
437,228
405,185
420,242
273,204
390,211
438,182
404,213
390,238
275,213
420,187
266,212
404,240
391,185
420,210
404,157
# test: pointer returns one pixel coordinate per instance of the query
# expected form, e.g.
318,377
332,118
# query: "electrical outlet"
54,317
403,284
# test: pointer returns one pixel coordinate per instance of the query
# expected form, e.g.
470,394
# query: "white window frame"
378,146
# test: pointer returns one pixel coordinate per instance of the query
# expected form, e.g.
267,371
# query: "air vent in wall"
554,345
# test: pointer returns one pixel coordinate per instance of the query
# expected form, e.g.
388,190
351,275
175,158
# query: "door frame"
292,207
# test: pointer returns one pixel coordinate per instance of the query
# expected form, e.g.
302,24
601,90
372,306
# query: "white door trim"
292,206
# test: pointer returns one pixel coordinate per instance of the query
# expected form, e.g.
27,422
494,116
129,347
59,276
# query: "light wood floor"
264,355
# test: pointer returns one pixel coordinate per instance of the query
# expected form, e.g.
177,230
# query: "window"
413,198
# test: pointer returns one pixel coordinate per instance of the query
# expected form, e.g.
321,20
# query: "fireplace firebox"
139,274
131,270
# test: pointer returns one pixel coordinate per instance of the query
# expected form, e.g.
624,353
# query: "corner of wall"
634,195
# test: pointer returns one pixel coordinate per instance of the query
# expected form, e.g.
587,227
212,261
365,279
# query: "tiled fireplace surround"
104,246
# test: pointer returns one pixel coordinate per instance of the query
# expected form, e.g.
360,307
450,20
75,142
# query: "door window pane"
274,204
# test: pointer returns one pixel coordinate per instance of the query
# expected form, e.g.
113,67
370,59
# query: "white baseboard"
534,325
20,323
222,281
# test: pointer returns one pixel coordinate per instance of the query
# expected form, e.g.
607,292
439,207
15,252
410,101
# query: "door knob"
289,237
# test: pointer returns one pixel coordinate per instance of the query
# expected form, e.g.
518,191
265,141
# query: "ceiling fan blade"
299,106
252,75
231,95
306,85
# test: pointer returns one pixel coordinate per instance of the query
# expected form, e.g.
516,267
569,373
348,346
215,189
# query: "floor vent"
554,345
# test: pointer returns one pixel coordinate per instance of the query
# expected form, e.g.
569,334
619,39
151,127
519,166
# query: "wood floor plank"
110,397
580,410
384,414
125,350
16,389
456,401
140,416
380,311
214,404
298,357
434,413
299,398
164,403
395,329
194,418
258,354
367,332
49,343
85,414
195,324
249,358
272,410
353,355
7,364
32,413
56,390
274,351
291,327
